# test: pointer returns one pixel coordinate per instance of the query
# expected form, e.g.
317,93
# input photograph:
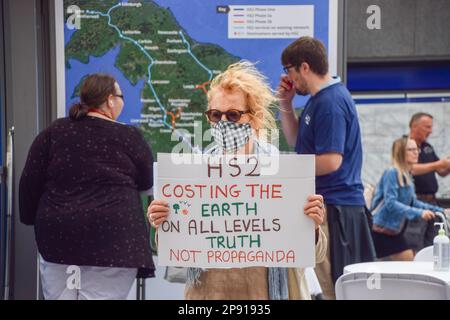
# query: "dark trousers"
350,237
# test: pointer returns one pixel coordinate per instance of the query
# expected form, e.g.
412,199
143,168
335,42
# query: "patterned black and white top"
80,189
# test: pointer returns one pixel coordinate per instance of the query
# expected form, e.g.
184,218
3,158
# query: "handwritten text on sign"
230,212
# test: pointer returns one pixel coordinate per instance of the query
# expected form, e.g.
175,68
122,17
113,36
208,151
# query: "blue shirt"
399,202
329,124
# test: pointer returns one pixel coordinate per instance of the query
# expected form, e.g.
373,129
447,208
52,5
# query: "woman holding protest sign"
239,104
80,190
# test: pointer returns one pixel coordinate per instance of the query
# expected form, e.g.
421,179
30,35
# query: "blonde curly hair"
260,98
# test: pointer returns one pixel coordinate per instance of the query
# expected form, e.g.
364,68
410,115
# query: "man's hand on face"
285,91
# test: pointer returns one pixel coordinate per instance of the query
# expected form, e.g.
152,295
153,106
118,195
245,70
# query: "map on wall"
164,53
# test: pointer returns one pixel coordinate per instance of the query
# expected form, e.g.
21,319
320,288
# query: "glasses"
231,115
286,68
120,96
413,150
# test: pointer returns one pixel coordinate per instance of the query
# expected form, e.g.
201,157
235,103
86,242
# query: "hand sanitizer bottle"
441,250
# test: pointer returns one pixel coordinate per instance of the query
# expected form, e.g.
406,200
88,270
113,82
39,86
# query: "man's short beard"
301,93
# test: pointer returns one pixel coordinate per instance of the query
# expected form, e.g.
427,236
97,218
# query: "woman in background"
395,202
80,189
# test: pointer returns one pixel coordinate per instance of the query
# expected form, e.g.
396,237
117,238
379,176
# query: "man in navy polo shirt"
328,128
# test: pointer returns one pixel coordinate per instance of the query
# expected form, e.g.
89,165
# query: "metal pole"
9,208
140,289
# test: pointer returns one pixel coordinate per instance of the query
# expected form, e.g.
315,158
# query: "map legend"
270,22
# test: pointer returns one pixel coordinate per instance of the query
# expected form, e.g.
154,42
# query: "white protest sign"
236,211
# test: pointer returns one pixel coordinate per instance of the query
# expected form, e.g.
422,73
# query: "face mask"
231,136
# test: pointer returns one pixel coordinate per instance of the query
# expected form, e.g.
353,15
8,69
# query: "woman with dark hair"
80,190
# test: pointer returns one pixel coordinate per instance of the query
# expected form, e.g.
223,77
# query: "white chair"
426,254
372,286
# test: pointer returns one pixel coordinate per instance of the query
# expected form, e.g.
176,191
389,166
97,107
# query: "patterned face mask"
231,136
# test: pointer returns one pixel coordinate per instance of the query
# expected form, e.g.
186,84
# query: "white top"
399,267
